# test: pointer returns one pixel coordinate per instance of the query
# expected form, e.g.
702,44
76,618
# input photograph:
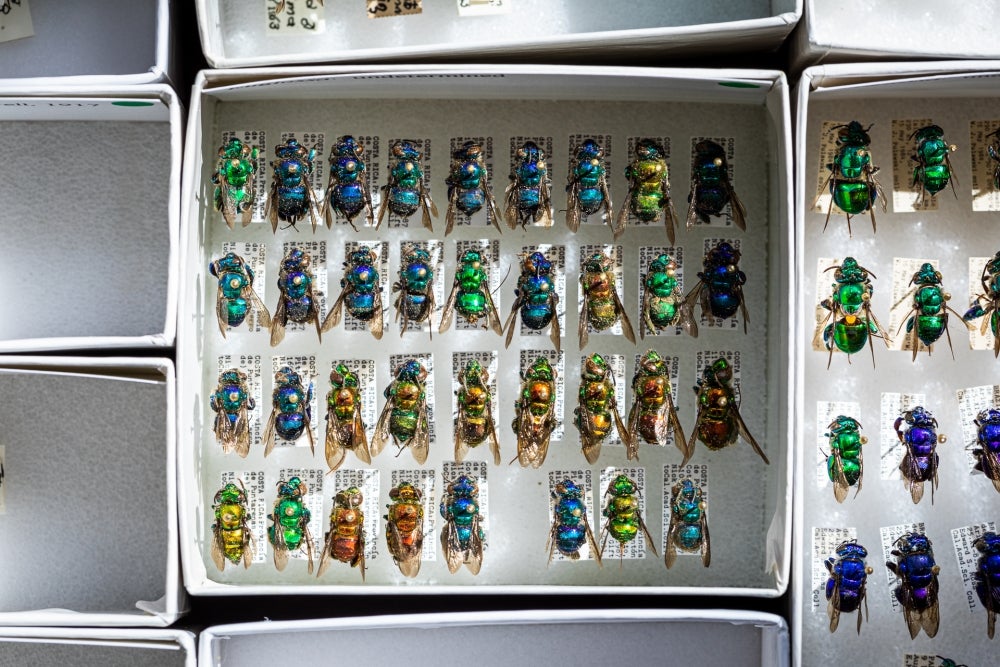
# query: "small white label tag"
972,401
483,7
979,338
378,9
15,20
920,660
294,17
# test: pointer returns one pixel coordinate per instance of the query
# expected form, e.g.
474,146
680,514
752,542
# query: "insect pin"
232,539
711,189
648,189
345,541
852,183
231,402
291,198
587,189
570,527
688,531
236,297
602,306
917,591
469,186
347,193
235,183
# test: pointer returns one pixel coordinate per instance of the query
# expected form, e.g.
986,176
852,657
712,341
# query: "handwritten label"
378,9
972,401
15,20
294,18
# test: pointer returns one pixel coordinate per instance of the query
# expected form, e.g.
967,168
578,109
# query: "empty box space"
88,654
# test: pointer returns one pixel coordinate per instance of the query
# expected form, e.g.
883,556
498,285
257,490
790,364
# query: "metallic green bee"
928,318
845,465
235,297
852,293
290,523
345,541
470,294
719,423
462,538
404,416
474,424
853,186
404,528
688,529
231,402
534,413
933,171
653,415
345,428
602,306
663,302
649,188
232,538
598,409
623,518
235,184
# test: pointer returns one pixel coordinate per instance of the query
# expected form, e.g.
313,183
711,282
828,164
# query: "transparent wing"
621,220
590,442
692,213
268,437
645,534
376,325
494,440
670,550
474,559
419,443
745,432
449,309
626,324
583,326
220,312
461,447
554,333
736,206
271,207
218,553
510,205
840,485
492,314
451,214
381,435
706,541
491,204
384,204
278,322
511,324
546,204
336,310
572,207
335,449
632,446
591,542
263,316
675,422
325,559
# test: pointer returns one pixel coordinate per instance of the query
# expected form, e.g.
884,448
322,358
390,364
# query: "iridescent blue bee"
536,298
527,197
720,286
292,413
711,189
848,583
231,402
688,524
987,577
404,192
292,197
236,297
469,188
918,585
587,191
361,291
415,302
570,527
920,463
462,538
347,194
297,302
987,454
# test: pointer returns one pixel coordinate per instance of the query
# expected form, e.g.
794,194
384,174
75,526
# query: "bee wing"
833,607
621,220
492,315
550,544
381,435
883,334
369,207
269,432
624,433
583,326
590,442
311,204
278,322
494,440
218,554
993,596
271,207
314,312
572,206
670,216
743,306
491,203
706,541
308,541
879,192
591,542
461,447
376,325
263,316
309,432
334,449
670,550
675,422
645,319
626,324
736,206
326,212
645,534
840,485
336,310
451,213
474,559
745,432
279,550
384,204
511,324
228,207
454,555
510,204
692,214
220,312
861,472
325,559
420,442
429,208
359,560
546,203
689,450
608,206
248,544
632,447
241,432
991,466
407,558
698,294
555,335
449,309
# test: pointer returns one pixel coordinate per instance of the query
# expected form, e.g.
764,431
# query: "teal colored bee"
347,193
404,416
361,292
345,428
291,415
623,518
297,303
853,186
987,304
928,318
527,198
469,188
231,402
415,302
597,411
235,182
404,193
236,297
587,190
462,538
534,413
570,527
710,186
290,523
845,464
474,424
232,539
292,197
470,294
649,188
602,306
663,302
688,531
933,171
536,298
853,323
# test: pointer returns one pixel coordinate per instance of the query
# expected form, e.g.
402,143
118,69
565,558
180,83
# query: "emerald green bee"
290,523
470,294
663,302
602,306
623,518
845,465
853,323
933,171
928,318
235,187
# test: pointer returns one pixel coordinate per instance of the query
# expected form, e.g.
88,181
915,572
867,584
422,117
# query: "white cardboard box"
45,647
124,42
90,216
749,503
647,637
953,95
88,494
854,30
235,35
